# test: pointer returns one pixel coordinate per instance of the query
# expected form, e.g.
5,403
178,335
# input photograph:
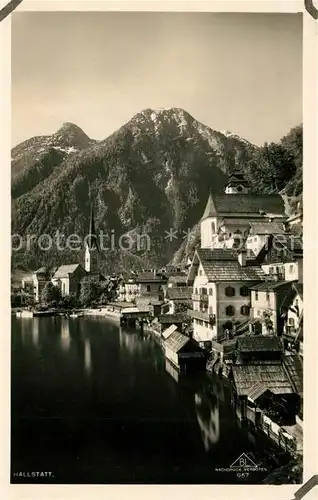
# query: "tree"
69,302
89,292
268,322
50,293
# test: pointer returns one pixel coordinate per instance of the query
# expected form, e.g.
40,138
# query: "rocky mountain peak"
71,135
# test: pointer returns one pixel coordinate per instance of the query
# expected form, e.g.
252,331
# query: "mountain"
152,176
35,159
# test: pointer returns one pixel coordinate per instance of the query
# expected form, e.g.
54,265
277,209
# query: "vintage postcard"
162,274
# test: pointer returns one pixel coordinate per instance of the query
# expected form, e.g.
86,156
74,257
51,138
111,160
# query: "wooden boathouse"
184,353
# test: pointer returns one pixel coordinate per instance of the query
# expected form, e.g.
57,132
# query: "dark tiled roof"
257,343
171,318
270,286
217,254
267,227
257,390
273,376
176,341
221,264
244,203
232,271
64,271
179,293
179,278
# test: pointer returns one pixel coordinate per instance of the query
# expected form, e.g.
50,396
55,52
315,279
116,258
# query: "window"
200,272
204,291
148,288
210,291
230,311
229,291
291,268
244,291
245,310
227,326
268,296
196,291
256,295
271,270
291,322
213,227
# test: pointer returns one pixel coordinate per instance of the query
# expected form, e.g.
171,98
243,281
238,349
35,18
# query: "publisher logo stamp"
243,467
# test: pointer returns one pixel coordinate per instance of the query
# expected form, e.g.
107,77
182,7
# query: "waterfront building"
293,327
128,288
261,379
179,299
184,353
151,284
269,302
221,297
68,279
282,257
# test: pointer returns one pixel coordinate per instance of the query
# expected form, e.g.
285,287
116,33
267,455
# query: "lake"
93,403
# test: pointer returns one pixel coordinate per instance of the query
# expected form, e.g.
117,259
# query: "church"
92,250
227,216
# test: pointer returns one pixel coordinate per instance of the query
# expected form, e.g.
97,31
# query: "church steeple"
237,183
92,247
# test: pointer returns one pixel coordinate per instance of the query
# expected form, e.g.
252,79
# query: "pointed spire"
210,210
92,241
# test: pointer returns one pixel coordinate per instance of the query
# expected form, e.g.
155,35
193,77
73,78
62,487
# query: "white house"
269,303
68,278
221,298
282,257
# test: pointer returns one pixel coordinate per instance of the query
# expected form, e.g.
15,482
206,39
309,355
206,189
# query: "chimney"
242,254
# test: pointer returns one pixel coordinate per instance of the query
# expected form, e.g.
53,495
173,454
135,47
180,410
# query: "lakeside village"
233,309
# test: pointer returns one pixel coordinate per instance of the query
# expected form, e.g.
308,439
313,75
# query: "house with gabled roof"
68,278
179,298
282,257
220,279
261,231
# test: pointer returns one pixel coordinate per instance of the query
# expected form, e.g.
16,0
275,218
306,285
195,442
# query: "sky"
236,72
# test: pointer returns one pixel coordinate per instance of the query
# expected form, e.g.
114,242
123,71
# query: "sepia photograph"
156,248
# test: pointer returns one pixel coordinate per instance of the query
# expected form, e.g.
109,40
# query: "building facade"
221,298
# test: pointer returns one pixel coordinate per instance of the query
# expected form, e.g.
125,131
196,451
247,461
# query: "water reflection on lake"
99,404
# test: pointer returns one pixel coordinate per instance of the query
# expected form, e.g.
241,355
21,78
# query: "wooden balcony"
204,316
200,297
